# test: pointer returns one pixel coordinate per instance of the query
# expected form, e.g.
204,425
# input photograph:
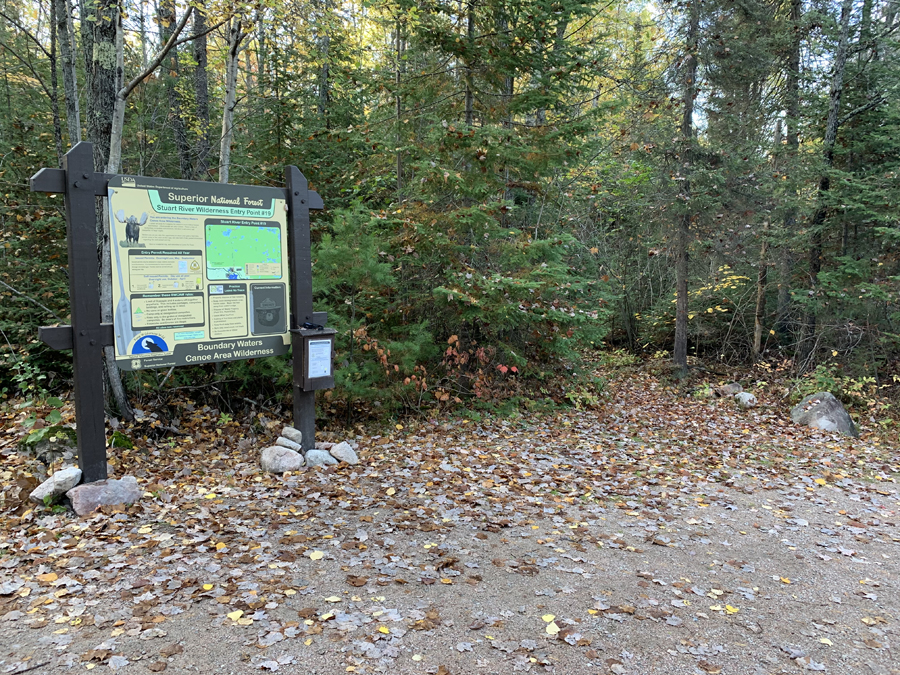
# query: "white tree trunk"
231,70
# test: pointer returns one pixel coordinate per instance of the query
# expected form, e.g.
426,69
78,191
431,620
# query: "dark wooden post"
300,257
87,335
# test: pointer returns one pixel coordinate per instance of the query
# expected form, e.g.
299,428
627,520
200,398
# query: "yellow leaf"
245,621
384,629
398,426
548,617
390,492
552,628
48,578
308,642
592,611
235,615
785,580
207,587
146,529
731,610
290,591
325,616
221,545
821,481
446,581
333,598
417,657
826,641
316,555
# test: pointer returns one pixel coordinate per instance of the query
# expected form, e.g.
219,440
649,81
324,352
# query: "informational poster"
319,359
200,272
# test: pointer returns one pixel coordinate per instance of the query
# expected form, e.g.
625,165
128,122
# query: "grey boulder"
727,390
745,399
288,443
292,434
88,497
823,411
57,485
319,458
278,459
344,453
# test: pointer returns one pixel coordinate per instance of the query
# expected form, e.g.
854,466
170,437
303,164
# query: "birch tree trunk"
235,36
683,234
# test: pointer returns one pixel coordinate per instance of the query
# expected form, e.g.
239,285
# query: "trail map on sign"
200,272
242,251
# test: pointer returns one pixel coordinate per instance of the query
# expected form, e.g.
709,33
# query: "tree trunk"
399,106
103,43
54,85
761,280
201,95
470,40
806,352
70,81
235,36
792,120
324,94
170,75
682,238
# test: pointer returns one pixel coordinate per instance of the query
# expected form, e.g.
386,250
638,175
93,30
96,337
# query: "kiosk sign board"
200,272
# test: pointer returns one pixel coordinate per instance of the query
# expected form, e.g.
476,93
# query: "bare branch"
861,109
207,31
154,63
30,299
26,32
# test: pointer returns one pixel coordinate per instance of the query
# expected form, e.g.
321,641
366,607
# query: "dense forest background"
509,184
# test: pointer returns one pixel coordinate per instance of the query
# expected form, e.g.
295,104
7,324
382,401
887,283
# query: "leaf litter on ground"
455,542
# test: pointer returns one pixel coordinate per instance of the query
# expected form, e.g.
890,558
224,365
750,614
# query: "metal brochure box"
316,351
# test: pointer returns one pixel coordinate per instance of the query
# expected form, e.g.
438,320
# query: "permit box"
315,349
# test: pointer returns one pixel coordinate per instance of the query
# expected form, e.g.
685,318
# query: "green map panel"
230,249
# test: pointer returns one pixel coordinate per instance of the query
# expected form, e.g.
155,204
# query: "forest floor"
658,534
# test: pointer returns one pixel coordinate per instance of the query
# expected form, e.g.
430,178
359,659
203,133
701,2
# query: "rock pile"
287,453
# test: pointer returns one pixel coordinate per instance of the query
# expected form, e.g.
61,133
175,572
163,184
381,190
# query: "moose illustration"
132,226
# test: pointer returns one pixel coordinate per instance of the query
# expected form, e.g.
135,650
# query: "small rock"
288,443
278,459
823,411
745,399
727,390
319,458
344,453
88,497
57,485
292,434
